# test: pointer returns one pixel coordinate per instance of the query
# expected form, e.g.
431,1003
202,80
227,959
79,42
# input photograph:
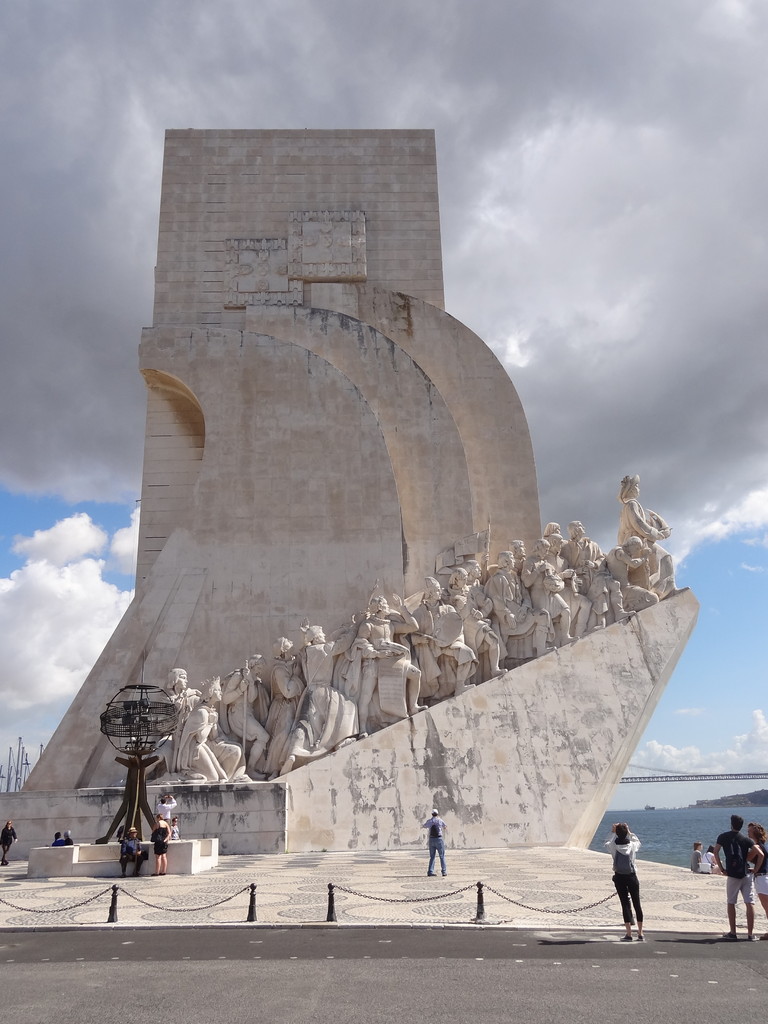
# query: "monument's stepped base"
530,758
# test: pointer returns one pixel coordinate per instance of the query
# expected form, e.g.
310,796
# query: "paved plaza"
541,888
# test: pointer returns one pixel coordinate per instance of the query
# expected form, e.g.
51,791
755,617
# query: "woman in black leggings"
623,845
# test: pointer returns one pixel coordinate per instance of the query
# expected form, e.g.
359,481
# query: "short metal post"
331,915
112,919
252,904
480,915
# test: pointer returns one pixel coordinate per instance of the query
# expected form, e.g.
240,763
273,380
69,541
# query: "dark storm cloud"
602,170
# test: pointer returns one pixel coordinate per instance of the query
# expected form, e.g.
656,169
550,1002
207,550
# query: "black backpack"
434,831
622,864
736,863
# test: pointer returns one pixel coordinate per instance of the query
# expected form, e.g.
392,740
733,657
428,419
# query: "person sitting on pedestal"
130,852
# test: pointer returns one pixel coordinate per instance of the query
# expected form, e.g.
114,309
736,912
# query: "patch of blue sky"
22,514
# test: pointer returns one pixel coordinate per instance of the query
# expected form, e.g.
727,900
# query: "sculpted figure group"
396,657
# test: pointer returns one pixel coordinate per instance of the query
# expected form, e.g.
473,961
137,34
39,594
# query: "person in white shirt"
709,858
166,806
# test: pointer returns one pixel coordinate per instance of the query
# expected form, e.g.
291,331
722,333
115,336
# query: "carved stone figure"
287,689
386,670
629,563
518,555
474,606
182,694
523,631
446,662
238,711
555,541
580,606
203,753
635,521
261,700
581,553
572,593
185,698
545,586
586,559
326,719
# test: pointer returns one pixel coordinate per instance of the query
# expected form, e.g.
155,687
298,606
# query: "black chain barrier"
185,910
56,910
331,912
549,910
479,913
388,899
112,915
115,889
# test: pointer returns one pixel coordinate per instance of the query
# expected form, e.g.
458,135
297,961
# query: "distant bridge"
700,777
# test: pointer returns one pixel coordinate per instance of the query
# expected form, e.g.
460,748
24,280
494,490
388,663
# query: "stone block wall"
244,818
220,185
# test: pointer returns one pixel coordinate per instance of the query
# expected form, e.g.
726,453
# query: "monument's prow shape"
532,757
322,440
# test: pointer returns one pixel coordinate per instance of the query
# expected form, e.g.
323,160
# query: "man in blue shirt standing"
437,828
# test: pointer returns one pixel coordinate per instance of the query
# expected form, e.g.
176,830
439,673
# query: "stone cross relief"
320,245
472,622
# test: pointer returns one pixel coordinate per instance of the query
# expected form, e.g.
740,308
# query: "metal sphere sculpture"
136,721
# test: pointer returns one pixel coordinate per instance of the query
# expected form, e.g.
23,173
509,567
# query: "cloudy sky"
602,172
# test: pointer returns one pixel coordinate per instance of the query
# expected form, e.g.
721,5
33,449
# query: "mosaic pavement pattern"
547,888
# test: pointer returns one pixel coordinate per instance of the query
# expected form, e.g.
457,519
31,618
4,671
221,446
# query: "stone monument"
338,496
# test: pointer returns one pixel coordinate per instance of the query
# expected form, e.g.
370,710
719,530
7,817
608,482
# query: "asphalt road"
329,942
345,975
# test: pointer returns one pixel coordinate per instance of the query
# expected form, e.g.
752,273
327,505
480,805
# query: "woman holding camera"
623,845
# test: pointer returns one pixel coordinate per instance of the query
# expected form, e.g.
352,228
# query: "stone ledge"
185,857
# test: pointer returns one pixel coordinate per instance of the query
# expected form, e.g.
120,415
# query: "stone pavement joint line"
572,889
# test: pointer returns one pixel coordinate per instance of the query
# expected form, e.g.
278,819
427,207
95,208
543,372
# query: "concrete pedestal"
185,857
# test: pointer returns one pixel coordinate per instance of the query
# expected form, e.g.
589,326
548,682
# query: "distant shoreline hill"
758,798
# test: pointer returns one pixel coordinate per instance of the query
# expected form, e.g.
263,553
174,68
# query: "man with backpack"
436,827
742,857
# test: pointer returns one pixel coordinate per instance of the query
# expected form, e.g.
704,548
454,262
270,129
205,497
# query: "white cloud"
69,540
753,568
748,515
55,618
693,712
602,173
750,748
124,545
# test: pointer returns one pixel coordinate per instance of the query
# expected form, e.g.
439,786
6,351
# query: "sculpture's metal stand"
134,797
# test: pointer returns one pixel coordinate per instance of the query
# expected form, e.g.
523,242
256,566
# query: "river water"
667,836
